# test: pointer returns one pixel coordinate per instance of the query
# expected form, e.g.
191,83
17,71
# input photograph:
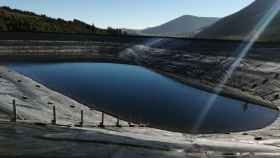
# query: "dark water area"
143,96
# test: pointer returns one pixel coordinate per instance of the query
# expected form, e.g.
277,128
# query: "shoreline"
189,82
227,91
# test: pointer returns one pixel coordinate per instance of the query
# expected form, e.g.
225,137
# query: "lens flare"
242,51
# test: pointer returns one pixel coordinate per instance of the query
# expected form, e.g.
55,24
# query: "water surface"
138,94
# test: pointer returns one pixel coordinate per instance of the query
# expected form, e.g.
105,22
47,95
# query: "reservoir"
143,96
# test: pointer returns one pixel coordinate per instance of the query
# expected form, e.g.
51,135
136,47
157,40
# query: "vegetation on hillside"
14,20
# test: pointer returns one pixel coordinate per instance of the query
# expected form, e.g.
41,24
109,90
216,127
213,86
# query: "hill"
182,26
243,23
14,20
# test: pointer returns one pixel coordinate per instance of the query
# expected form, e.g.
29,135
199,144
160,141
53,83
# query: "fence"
81,123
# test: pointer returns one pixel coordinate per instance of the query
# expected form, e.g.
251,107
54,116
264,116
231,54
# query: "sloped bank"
47,51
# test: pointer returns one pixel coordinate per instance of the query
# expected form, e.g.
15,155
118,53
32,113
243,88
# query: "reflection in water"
141,95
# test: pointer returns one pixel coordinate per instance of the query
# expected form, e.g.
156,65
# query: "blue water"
138,94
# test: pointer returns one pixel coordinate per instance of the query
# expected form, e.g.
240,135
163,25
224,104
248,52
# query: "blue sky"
136,14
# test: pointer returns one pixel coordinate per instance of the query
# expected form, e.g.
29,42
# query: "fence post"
82,118
130,124
101,125
118,122
14,117
54,116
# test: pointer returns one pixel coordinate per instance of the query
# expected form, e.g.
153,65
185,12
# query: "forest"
15,20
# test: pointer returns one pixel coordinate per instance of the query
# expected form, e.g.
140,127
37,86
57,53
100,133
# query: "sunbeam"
242,51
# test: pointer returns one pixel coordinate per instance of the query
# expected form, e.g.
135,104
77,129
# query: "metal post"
102,121
82,118
118,122
14,118
54,116
129,123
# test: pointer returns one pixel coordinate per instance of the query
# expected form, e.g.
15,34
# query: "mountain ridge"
243,23
186,24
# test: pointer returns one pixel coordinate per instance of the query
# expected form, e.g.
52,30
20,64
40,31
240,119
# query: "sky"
133,14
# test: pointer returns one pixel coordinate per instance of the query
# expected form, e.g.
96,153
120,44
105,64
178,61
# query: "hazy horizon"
128,14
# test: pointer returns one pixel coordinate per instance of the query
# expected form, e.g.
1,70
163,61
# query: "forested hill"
14,20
